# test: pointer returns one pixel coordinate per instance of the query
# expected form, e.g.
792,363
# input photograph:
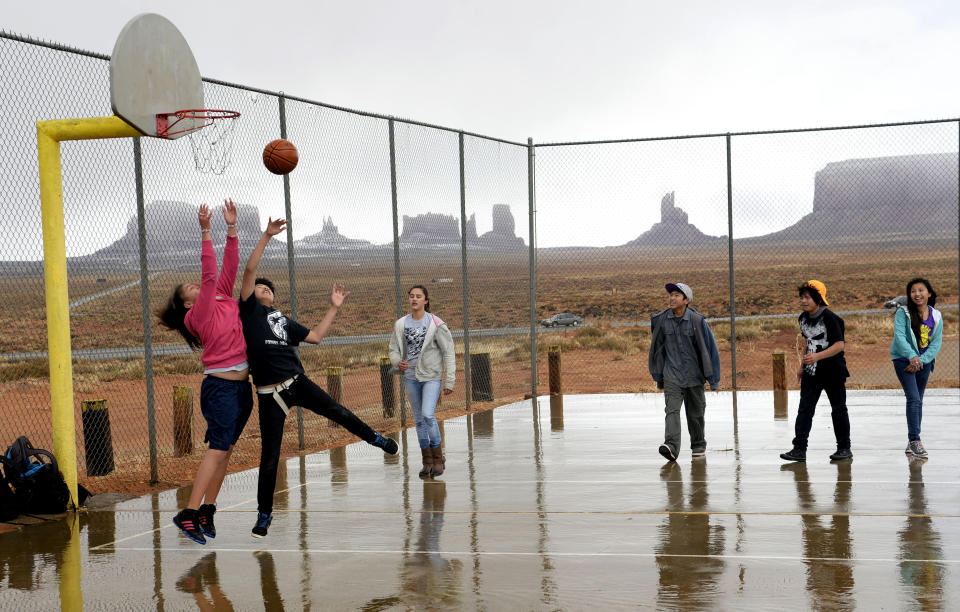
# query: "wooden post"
335,383
335,387
779,385
556,376
481,385
97,440
387,395
182,421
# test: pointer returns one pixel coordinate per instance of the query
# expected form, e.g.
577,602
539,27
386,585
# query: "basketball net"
213,146
210,132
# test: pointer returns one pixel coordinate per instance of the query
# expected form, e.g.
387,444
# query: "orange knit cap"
819,288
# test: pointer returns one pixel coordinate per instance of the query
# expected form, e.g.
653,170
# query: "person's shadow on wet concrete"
921,571
688,556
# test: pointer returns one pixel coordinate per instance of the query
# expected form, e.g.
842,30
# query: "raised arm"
250,272
337,296
202,307
231,253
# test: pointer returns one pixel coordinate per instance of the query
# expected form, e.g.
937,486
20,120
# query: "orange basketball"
280,156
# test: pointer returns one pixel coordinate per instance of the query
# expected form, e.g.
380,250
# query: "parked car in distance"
563,319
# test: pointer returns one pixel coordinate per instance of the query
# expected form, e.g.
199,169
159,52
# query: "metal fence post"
733,311
464,277
291,268
396,249
532,214
145,302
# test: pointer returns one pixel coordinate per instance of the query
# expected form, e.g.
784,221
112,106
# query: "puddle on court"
546,508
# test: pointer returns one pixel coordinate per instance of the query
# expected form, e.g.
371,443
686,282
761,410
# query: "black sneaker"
389,445
841,454
205,518
667,451
263,524
186,520
795,454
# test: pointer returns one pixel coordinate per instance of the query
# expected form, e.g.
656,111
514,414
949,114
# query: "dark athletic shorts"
226,404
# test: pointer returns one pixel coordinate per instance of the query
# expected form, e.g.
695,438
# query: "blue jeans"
423,401
914,384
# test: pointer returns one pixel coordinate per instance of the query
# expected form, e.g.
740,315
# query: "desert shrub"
615,344
15,370
636,332
590,332
180,364
750,331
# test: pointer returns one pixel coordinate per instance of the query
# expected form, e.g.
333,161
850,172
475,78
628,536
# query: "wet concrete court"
537,512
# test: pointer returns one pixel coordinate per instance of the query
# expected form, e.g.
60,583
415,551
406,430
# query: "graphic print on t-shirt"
278,325
414,337
926,330
816,335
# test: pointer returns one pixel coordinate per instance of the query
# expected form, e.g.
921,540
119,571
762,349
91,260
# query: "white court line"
570,513
457,553
167,526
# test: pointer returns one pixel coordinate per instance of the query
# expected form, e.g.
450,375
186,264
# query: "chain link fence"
508,238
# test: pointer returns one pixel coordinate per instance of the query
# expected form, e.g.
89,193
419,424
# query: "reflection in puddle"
428,580
688,578
920,549
826,540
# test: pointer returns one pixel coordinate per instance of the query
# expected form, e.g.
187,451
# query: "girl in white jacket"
421,347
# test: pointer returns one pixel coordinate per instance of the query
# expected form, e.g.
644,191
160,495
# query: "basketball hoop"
211,147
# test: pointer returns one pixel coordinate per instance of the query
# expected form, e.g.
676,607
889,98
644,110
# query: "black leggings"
305,393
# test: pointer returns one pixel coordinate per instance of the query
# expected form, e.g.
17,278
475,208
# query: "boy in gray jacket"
683,355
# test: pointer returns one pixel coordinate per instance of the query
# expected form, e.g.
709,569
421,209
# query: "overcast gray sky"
563,70
553,71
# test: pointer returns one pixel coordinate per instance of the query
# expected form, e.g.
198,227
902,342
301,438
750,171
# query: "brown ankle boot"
439,461
427,455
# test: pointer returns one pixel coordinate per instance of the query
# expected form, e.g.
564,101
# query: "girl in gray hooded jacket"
421,347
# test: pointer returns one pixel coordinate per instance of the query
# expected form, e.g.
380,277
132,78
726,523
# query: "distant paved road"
182,349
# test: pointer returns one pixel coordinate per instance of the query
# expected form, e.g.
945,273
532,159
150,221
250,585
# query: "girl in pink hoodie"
208,318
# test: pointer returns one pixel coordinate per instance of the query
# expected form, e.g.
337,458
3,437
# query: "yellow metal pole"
49,136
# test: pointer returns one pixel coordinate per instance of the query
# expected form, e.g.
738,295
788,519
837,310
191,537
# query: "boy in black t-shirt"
823,369
278,374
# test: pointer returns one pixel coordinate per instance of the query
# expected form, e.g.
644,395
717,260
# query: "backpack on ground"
38,485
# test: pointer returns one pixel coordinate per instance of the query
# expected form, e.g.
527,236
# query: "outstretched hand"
229,212
203,216
338,295
274,227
